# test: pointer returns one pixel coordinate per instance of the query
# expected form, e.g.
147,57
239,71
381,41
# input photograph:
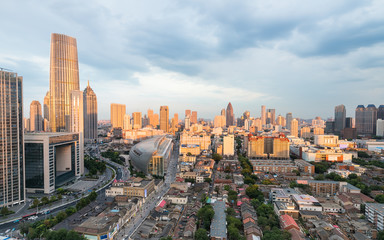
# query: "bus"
29,215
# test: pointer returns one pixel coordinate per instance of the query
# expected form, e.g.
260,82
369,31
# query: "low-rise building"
136,187
305,166
219,223
374,213
307,203
273,166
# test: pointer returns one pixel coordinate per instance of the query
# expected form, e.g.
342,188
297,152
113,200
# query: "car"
7,231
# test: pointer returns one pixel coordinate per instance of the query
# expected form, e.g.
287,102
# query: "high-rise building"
90,113
280,121
294,127
339,118
366,119
127,122
219,121
150,117
77,124
263,115
117,115
63,78
288,119
12,186
260,147
348,122
318,122
46,106
228,145
223,112
187,113
194,117
156,119
35,117
187,122
380,112
305,132
164,118
230,118
380,127
137,121
271,116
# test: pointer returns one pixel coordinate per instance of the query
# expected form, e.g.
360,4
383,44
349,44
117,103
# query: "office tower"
187,123
156,120
150,117
380,112
339,118
230,118
164,118
117,115
330,126
294,127
380,127
90,113
280,121
137,121
271,116
187,113
366,119
145,121
263,115
127,122
257,123
194,117
77,126
176,117
12,186
348,122
223,112
35,117
63,78
288,119
46,106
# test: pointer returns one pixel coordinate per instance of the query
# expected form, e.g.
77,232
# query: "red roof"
162,204
287,222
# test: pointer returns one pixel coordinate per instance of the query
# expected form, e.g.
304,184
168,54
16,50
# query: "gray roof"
219,222
378,207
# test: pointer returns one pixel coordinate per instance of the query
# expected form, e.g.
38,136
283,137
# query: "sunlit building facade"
164,118
90,113
35,117
117,115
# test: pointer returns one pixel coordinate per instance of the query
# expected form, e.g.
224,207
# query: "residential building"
229,145
305,132
137,120
12,172
307,203
63,78
294,127
273,166
117,115
77,121
137,187
270,116
326,140
263,116
374,212
304,166
260,147
194,117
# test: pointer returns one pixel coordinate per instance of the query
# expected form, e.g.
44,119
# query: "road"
154,200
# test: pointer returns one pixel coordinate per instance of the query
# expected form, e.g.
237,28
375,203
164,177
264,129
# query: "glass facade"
34,165
11,139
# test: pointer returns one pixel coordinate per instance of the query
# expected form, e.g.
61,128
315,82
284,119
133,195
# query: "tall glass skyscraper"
230,118
90,113
339,118
12,190
64,77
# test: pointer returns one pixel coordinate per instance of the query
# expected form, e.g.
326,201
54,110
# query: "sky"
303,57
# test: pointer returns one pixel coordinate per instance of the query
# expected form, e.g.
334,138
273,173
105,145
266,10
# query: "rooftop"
219,224
378,207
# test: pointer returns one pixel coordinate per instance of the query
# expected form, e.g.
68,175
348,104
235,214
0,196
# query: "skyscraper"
150,117
90,113
230,119
380,112
63,78
366,119
263,116
194,117
77,125
35,117
46,106
288,119
223,112
117,115
187,113
294,127
155,120
164,118
270,116
127,122
12,186
137,121
339,118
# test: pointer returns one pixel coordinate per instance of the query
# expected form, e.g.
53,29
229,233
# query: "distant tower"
339,118
230,120
294,127
46,106
63,78
150,117
117,115
77,125
164,118
90,113
366,119
263,115
288,120
223,112
380,112
194,117
12,185
187,113
270,116
127,122
156,120
137,121
35,118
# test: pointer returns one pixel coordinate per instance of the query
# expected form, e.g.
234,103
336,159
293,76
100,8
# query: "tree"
45,200
166,238
4,211
227,188
217,157
207,180
320,177
36,202
379,198
201,234
253,191
61,216
267,182
230,211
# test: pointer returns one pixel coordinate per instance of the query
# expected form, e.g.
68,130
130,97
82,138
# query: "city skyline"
183,64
